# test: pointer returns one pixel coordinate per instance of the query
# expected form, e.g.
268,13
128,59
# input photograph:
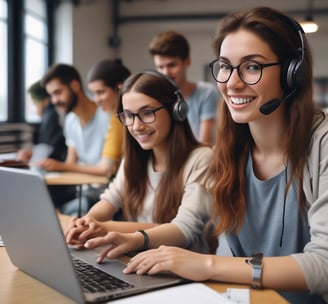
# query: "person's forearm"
279,273
102,211
122,226
206,131
166,234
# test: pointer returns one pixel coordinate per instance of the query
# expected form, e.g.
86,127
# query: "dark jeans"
61,194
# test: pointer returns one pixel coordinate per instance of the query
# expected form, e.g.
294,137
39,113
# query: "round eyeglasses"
249,71
147,116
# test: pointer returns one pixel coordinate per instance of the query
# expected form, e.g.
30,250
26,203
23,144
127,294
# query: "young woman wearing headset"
159,179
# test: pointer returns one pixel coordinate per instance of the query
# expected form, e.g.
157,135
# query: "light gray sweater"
314,259
191,214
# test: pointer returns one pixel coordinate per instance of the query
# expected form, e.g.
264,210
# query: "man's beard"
73,102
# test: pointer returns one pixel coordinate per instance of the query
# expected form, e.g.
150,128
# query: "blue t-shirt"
202,105
89,139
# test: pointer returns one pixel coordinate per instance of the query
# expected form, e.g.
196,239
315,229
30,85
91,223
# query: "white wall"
82,34
83,40
64,34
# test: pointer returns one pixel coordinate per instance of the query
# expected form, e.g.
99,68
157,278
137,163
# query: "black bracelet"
146,239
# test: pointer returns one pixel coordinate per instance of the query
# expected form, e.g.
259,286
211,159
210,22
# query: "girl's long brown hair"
227,171
180,144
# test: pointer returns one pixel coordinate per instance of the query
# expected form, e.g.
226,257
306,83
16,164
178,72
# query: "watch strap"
256,263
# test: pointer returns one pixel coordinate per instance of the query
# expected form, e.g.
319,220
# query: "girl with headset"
160,176
269,175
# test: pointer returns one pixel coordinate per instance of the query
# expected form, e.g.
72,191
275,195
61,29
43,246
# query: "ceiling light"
308,25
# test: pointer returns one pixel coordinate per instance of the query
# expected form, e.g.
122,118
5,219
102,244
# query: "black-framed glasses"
147,116
249,71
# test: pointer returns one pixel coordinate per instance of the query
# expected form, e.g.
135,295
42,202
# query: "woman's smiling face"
244,100
149,135
104,96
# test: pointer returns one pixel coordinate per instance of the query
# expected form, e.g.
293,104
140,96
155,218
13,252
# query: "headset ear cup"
286,75
180,108
292,74
293,70
300,73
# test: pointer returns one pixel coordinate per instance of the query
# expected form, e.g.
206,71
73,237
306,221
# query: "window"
25,39
3,60
36,49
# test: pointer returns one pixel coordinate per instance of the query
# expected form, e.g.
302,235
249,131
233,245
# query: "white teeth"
142,137
241,100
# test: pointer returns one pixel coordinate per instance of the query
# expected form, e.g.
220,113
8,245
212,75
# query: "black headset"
293,70
180,106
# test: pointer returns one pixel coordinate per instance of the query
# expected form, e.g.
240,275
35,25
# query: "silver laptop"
33,238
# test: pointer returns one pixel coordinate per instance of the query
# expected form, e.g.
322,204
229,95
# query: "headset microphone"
268,107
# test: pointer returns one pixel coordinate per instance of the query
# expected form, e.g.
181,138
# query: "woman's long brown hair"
181,142
234,141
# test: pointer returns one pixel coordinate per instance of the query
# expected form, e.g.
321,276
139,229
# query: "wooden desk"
74,179
265,296
18,287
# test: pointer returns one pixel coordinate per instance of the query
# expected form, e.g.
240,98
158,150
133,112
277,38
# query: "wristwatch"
256,263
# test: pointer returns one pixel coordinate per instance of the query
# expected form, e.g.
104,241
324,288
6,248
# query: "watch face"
257,259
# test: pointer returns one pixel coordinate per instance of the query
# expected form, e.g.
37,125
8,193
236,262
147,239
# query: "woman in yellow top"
104,81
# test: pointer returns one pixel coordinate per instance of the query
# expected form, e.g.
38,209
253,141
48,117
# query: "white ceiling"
296,8
225,5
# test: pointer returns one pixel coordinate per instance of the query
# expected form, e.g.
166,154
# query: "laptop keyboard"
95,280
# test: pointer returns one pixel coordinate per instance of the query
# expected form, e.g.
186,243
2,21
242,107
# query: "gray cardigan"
314,260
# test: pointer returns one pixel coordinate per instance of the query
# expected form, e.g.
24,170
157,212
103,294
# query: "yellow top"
113,145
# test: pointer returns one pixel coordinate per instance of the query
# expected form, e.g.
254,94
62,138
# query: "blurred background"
37,33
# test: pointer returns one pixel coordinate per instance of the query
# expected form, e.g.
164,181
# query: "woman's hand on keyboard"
79,230
118,244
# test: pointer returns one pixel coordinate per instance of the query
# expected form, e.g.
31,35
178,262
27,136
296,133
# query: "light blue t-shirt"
202,105
88,140
272,225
